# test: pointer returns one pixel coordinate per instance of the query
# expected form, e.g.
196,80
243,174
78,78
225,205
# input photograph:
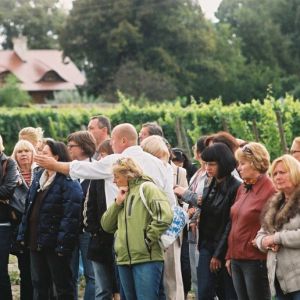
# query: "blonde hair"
22,145
156,146
256,154
127,167
31,134
297,140
292,166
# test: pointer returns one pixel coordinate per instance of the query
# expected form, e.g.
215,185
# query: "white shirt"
102,169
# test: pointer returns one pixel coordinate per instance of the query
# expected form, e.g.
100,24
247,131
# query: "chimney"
20,47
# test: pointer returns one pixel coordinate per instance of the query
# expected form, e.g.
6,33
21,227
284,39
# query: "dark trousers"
213,284
47,268
26,289
5,242
250,279
185,263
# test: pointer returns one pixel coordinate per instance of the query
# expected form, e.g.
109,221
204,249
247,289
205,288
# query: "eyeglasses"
246,149
72,146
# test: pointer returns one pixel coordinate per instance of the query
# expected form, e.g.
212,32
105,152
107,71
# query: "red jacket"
245,218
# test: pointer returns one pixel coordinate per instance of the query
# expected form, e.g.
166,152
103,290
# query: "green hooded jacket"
136,232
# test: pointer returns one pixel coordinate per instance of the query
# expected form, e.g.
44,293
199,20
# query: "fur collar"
277,212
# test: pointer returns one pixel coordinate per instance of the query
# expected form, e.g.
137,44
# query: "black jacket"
59,215
101,244
214,225
7,185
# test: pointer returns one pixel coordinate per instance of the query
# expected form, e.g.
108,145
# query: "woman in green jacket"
138,254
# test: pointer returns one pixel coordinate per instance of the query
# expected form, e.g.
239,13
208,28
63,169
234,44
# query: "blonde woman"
32,135
246,263
139,257
173,283
23,154
279,235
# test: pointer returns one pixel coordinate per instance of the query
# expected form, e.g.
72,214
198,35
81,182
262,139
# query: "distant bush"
181,124
11,94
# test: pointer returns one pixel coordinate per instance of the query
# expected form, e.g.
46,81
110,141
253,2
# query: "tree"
11,95
269,33
170,38
39,20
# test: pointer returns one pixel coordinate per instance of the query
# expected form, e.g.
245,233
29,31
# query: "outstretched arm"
50,163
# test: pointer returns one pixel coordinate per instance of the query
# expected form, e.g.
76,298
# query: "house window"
51,76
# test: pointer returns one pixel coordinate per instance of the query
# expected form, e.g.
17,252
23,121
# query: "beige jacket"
283,220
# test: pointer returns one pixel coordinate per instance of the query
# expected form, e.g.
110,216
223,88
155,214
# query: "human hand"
191,211
179,190
269,244
215,264
228,266
45,162
121,196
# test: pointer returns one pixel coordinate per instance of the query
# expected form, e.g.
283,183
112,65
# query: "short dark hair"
225,138
84,140
153,128
104,121
59,149
222,155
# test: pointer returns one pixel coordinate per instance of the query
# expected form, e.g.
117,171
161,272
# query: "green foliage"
39,20
11,95
197,119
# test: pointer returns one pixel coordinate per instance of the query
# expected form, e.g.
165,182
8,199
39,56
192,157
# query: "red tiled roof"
37,64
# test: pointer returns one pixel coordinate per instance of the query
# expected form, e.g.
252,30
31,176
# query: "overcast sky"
208,6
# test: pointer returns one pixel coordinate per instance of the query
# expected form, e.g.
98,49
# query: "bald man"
124,139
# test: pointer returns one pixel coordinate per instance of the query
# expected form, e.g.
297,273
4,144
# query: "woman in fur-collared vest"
279,235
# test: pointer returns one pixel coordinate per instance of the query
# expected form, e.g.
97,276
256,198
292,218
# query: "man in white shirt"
124,140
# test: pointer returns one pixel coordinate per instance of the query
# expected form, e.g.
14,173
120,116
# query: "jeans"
141,281
5,242
212,284
250,279
104,279
48,267
26,289
89,292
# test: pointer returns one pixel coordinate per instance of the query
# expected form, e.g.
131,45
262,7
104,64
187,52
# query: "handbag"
180,219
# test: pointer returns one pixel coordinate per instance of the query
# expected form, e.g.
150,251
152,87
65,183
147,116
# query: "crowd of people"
104,198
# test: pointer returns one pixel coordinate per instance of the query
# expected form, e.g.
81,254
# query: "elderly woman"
23,154
214,223
173,281
279,235
138,254
245,262
50,227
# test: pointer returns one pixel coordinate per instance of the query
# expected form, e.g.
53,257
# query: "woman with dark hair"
50,227
191,195
214,224
180,159
81,146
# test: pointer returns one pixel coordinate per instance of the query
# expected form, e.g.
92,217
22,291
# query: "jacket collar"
278,212
260,183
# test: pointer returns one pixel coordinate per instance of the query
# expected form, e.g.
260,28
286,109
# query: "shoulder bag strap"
144,199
